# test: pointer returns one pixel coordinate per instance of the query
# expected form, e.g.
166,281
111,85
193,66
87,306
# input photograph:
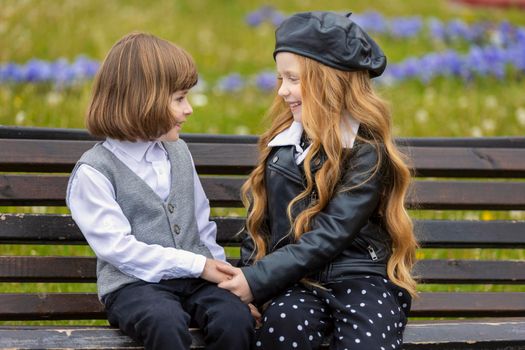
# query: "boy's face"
288,70
181,109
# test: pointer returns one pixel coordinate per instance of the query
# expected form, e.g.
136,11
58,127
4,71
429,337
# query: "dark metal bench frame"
487,174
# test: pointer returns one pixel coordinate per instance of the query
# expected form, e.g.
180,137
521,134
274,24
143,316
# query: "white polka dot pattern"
302,317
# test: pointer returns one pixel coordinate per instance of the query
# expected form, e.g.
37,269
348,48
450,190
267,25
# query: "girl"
330,242
137,199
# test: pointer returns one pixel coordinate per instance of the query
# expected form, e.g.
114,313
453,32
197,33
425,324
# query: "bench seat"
491,334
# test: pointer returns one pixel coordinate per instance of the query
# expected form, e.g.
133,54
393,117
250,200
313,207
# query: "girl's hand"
212,273
237,284
256,314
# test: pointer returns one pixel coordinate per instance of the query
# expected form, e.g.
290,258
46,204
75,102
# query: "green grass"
217,36
215,33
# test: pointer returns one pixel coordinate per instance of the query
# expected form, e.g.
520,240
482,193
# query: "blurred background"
455,69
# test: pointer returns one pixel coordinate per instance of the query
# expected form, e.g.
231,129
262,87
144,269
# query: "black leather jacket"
346,239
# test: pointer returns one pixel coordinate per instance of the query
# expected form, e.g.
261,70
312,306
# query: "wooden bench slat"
45,133
19,190
40,190
234,158
472,195
83,269
41,156
495,334
448,335
68,269
60,156
469,304
75,306
16,190
39,229
467,162
470,234
50,306
470,271
61,229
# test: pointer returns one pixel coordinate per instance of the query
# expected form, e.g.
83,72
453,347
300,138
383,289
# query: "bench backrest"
451,174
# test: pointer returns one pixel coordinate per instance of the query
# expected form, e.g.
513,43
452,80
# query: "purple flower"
479,32
520,35
411,67
265,81
37,71
495,58
277,18
60,71
395,71
405,27
11,72
265,13
230,83
437,29
454,63
458,29
506,33
86,67
515,55
254,19
371,22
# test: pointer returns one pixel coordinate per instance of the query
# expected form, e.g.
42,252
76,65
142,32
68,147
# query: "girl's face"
181,109
288,71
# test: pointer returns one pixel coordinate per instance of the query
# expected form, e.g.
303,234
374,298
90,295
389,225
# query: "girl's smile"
295,107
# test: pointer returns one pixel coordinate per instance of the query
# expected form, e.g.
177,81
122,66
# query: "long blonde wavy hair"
326,95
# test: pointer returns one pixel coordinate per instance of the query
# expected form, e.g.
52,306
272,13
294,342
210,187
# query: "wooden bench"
452,174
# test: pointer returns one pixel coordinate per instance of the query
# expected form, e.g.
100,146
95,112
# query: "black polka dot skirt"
360,313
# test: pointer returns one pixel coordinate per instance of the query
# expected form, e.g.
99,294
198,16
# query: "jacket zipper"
372,252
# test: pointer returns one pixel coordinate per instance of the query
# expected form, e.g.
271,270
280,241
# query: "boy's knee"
237,315
163,317
233,321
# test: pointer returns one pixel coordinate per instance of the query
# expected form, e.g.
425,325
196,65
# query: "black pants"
159,314
361,314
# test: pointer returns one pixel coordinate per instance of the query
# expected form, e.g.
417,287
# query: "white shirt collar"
349,129
151,150
289,137
292,135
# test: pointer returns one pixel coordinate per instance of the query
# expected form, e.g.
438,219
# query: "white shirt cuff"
198,265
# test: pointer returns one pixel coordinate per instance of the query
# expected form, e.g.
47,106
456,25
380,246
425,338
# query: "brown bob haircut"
131,92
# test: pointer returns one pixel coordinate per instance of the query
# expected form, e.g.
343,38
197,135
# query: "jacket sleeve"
247,249
333,229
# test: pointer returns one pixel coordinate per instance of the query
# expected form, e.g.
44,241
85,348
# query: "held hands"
237,284
211,272
216,271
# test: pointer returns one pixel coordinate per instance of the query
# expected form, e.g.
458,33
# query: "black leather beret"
332,39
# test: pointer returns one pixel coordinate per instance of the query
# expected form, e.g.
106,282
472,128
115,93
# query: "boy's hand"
211,272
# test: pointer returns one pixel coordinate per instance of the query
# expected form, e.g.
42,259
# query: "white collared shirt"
107,230
292,137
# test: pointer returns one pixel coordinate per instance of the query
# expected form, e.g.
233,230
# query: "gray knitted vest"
169,223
